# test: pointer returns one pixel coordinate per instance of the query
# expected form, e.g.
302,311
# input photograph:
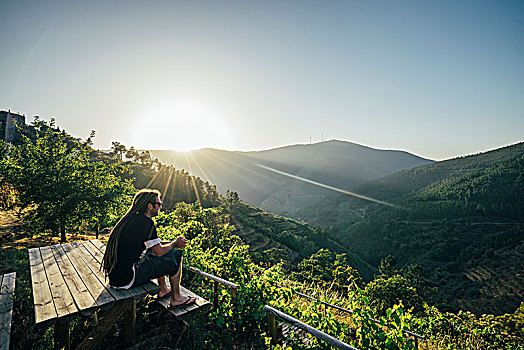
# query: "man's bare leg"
164,289
176,297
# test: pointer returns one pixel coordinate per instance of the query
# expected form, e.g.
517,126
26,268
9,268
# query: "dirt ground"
13,235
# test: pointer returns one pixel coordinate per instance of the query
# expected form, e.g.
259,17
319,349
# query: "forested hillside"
271,238
419,269
335,163
461,219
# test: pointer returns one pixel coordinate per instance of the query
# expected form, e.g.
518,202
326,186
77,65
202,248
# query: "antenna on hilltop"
310,140
322,137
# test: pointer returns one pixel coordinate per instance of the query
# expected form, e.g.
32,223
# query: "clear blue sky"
435,78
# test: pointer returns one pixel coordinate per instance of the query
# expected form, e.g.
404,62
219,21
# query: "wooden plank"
129,322
83,299
7,291
96,287
136,292
45,311
151,288
181,312
94,266
64,303
99,245
95,252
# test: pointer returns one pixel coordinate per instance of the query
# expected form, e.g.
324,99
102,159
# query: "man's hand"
165,247
180,242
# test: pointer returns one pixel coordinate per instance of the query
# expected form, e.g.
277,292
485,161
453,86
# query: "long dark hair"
140,201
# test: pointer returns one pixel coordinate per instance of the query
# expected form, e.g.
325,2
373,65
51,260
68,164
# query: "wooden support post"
215,295
234,298
94,319
273,332
130,323
416,343
62,335
104,325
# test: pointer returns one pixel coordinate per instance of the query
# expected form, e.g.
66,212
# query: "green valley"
462,220
443,260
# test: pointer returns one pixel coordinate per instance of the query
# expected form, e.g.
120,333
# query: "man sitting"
135,232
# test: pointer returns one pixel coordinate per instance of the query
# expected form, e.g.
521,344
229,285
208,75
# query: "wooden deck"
67,282
182,312
7,283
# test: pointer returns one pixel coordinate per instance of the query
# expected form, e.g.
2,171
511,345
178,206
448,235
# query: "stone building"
8,122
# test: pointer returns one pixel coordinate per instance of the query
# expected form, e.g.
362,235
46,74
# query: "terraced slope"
272,237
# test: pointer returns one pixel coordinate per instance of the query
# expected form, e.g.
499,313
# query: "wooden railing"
275,333
415,336
217,280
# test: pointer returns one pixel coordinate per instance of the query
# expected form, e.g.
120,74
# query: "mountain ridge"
456,218
335,163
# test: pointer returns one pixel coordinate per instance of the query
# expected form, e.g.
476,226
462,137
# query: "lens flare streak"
166,187
154,177
326,186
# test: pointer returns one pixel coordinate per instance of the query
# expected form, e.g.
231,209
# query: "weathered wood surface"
97,249
64,302
96,287
136,292
311,330
129,330
7,289
94,266
271,323
67,281
181,312
81,295
44,307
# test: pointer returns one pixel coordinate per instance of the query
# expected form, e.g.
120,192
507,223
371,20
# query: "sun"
181,126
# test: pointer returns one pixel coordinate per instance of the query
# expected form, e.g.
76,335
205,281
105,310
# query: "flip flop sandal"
187,302
164,296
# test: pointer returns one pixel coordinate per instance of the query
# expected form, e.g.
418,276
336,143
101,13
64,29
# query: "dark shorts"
151,266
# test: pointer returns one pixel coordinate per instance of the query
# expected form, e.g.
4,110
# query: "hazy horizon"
313,143
296,144
435,79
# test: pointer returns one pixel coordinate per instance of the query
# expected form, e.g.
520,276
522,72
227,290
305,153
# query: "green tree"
344,276
385,292
387,266
118,150
326,267
60,185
